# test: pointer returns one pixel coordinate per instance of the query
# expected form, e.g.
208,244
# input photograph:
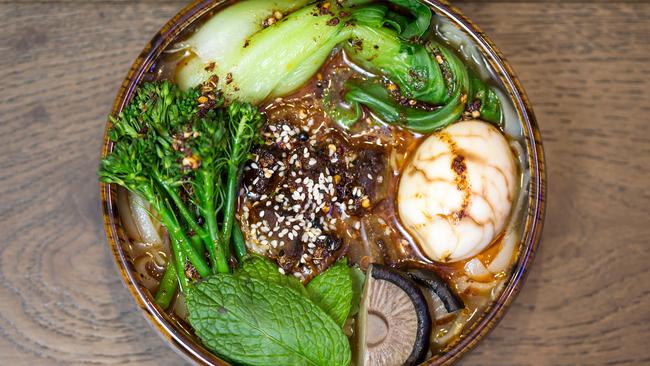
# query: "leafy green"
422,21
332,291
271,61
378,99
263,269
386,40
254,322
221,38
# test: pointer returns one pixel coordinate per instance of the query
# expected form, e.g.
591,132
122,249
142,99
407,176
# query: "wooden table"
585,67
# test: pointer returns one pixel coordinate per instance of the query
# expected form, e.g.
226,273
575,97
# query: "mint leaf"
332,291
253,322
263,269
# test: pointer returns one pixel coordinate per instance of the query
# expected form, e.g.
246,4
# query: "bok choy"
423,78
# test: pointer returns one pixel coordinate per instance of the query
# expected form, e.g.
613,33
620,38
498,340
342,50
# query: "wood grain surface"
585,67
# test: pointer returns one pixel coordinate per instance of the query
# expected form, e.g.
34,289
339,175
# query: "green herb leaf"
262,269
332,291
253,322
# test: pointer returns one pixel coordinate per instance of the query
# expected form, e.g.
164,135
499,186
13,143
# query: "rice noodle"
446,334
144,277
464,283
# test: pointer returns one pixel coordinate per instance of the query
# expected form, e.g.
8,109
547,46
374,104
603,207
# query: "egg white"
456,193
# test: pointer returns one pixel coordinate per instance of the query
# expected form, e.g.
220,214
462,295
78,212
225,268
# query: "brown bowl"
186,343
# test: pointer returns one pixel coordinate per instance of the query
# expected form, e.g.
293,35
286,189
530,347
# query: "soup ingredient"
393,326
244,125
358,279
429,87
306,187
253,322
378,99
167,286
430,280
272,61
456,194
259,316
501,261
175,149
475,269
332,289
141,213
219,43
336,290
263,269
125,166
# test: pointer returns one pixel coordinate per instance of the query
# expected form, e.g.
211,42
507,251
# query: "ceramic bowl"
183,341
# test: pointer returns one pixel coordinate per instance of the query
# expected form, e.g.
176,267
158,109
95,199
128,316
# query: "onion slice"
126,217
476,270
502,259
142,216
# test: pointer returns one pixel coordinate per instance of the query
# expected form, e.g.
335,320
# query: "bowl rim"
190,348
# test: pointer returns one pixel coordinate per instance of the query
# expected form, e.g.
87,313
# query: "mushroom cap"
394,324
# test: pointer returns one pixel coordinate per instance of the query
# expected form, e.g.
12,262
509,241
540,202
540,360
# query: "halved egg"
456,193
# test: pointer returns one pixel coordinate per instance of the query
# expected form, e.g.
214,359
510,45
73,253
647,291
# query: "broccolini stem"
170,280
167,286
231,200
177,235
238,242
187,215
216,248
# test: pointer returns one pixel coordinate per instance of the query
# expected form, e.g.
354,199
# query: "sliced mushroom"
439,287
394,324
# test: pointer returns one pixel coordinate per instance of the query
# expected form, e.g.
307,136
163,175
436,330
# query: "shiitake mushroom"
394,325
430,280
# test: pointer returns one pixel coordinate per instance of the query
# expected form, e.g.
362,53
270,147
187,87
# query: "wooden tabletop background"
585,66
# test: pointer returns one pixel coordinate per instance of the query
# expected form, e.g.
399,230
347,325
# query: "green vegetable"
275,61
167,287
245,122
428,73
222,37
263,269
169,283
142,163
271,61
358,278
238,243
332,291
376,97
254,322
184,161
